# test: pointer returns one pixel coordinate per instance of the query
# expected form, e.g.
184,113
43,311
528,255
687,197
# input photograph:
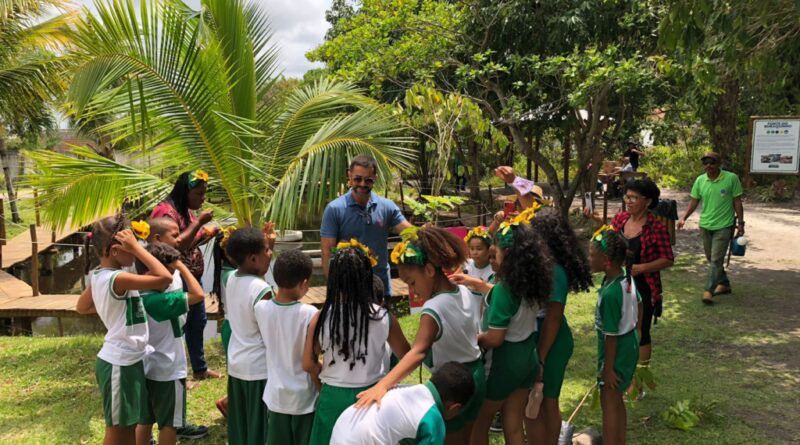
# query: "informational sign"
775,145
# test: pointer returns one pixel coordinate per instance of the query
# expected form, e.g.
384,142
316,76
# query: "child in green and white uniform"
616,321
409,414
290,393
523,285
247,355
351,334
479,243
165,361
114,295
449,322
571,272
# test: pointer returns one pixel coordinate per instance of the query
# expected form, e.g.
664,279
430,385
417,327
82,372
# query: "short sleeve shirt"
247,354
717,197
560,288
457,316
124,318
345,219
617,310
506,311
166,315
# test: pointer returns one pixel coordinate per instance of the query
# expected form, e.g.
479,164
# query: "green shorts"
624,362
226,336
289,429
332,402
166,404
247,413
555,365
514,366
470,411
124,392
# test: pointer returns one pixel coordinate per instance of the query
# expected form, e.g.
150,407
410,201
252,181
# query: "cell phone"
508,207
588,198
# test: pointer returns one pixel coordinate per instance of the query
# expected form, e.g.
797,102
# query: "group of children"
491,326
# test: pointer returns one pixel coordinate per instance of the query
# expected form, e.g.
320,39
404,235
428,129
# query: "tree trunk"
724,120
475,171
12,196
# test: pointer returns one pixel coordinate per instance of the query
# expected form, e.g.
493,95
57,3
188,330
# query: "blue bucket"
736,248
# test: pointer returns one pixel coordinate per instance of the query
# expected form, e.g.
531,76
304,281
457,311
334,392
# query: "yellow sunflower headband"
226,235
353,243
479,232
141,229
599,238
406,252
197,177
505,233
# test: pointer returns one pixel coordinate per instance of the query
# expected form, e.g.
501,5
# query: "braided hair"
102,236
348,307
527,267
564,248
618,253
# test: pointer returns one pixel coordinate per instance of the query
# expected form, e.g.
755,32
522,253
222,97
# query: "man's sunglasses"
369,180
709,162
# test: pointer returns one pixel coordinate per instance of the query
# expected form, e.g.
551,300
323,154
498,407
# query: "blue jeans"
195,325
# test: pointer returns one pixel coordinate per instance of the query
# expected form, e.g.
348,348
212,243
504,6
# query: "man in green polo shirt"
721,194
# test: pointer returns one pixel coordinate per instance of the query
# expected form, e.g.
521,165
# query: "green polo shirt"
717,198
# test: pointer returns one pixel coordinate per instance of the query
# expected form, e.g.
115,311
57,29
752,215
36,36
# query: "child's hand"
505,173
205,216
461,278
127,239
610,379
370,396
210,231
269,234
499,217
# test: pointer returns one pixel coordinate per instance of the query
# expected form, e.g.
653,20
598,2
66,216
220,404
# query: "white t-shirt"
458,316
337,372
226,273
406,412
283,327
247,355
481,273
166,357
123,317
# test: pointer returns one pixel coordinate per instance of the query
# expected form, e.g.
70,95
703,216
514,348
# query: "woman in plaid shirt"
649,244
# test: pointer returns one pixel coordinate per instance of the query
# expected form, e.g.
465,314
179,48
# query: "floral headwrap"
353,243
141,229
197,177
479,232
406,252
226,235
600,238
505,233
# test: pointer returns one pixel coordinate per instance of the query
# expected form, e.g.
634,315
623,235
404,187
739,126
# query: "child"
448,328
523,284
247,355
571,272
479,242
165,362
223,269
409,413
351,332
290,393
616,318
115,296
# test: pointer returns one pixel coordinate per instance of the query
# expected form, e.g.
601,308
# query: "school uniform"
290,393
165,361
407,414
512,365
225,331
343,380
457,316
555,364
616,314
482,273
247,361
119,368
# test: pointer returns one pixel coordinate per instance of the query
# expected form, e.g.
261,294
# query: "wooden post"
34,261
36,206
402,198
2,229
60,327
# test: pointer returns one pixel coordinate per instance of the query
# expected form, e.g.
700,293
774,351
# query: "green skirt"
555,365
332,402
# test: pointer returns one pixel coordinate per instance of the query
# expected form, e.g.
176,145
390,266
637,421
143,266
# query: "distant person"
363,215
721,194
633,152
461,175
413,413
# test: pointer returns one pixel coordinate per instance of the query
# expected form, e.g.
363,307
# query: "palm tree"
187,89
30,75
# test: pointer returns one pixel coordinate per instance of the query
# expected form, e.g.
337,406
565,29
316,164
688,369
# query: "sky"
298,26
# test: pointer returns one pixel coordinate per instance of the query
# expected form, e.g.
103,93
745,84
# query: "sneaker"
191,432
207,374
497,424
722,290
708,298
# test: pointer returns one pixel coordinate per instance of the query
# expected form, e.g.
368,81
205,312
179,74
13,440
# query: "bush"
673,167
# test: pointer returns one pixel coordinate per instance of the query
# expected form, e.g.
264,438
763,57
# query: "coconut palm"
30,74
185,89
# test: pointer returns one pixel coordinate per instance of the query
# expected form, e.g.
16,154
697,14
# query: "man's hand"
681,223
740,229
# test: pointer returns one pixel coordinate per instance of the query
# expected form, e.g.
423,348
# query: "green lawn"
744,363
26,212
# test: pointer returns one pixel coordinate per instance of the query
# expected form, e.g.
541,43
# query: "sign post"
774,145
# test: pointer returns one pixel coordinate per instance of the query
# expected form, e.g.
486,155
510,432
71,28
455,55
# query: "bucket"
738,245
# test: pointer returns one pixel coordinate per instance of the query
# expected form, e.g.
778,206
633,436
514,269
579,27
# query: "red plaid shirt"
655,245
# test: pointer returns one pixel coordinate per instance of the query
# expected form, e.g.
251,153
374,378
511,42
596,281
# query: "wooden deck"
64,305
18,249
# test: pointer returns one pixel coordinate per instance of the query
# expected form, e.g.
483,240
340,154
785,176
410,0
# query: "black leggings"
647,320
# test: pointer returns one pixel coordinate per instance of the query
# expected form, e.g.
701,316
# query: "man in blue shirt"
363,215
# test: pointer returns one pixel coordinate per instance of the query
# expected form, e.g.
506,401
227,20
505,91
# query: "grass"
725,354
26,212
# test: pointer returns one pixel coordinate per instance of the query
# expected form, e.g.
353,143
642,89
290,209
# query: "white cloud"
298,26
